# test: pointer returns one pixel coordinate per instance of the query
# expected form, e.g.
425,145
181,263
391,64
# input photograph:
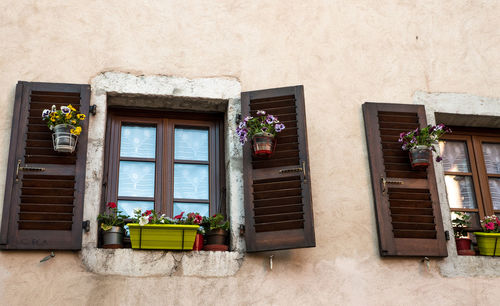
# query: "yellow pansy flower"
76,131
73,121
68,116
71,108
52,119
80,116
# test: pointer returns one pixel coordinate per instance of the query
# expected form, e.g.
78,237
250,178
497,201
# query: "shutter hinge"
447,235
242,230
86,225
93,109
238,118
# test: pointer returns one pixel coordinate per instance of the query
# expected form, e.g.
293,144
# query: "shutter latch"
386,181
298,169
22,168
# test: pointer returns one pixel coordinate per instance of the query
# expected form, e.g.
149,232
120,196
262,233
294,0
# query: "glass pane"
191,144
138,141
495,192
137,179
460,191
202,209
191,181
491,153
474,220
128,206
454,155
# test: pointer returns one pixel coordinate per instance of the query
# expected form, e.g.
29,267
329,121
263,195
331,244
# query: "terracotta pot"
112,238
216,240
463,244
420,156
198,243
263,145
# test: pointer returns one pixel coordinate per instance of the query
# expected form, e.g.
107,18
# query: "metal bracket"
48,257
242,230
238,118
93,109
447,235
86,225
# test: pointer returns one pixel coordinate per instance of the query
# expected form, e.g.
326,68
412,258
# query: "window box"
488,243
162,236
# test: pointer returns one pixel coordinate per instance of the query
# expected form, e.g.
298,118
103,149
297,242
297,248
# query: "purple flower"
243,139
242,124
270,119
279,127
261,112
46,113
65,110
439,158
264,129
247,118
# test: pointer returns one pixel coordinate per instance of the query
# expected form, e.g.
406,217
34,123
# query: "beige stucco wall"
343,52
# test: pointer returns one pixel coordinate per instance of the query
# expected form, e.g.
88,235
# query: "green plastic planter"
162,236
486,243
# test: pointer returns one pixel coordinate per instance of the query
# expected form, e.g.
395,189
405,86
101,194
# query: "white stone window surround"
174,93
463,110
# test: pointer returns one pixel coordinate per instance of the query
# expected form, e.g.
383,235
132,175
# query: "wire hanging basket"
63,140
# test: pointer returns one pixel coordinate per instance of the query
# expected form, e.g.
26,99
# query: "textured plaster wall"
343,52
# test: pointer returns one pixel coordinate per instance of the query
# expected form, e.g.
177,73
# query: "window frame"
165,122
474,137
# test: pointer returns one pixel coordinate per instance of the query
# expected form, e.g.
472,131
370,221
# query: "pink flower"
179,216
489,226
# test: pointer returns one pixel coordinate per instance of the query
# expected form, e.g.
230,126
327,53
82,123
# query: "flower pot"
162,236
62,138
463,244
112,238
420,156
198,243
216,240
263,145
488,243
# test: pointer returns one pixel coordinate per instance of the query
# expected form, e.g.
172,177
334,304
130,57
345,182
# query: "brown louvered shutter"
278,205
44,209
406,200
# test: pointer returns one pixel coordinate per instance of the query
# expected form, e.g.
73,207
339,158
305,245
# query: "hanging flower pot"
420,156
263,145
63,138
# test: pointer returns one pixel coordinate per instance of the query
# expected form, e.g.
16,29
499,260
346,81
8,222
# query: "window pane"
454,155
474,220
137,179
495,192
460,191
129,206
200,208
191,181
191,144
491,153
138,141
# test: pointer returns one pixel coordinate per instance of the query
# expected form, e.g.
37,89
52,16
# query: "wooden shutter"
278,205
407,208
44,209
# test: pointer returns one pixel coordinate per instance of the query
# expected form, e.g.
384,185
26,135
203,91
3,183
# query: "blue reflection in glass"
137,179
191,181
202,209
138,141
191,144
128,206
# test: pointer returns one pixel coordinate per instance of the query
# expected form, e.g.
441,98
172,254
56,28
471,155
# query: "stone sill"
470,266
141,263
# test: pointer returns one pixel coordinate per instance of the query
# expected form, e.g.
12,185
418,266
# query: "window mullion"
480,178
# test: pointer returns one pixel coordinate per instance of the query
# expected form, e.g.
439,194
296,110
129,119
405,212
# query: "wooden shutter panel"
44,209
408,213
278,205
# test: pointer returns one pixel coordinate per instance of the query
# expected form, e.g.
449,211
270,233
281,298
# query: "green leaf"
106,227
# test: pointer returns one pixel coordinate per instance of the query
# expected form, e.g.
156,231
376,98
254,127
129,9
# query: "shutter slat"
408,214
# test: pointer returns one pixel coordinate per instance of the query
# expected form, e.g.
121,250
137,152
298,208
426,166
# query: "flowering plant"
428,136
491,224
216,222
460,223
114,217
152,217
65,115
262,123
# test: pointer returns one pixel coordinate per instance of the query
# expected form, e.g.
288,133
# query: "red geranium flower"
148,212
179,216
111,204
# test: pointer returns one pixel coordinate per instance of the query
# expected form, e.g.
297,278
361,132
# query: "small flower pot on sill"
216,240
162,236
420,156
263,145
198,243
488,243
112,238
463,246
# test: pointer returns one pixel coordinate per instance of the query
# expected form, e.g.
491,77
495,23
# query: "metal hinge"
93,109
86,225
242,230
447,235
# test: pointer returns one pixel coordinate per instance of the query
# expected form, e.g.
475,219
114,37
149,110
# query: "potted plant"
488,240
460,224
262,130
420,143
65,124
112,223
151,230
216,234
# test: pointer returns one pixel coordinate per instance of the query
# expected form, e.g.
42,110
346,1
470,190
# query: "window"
169,162
471,161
